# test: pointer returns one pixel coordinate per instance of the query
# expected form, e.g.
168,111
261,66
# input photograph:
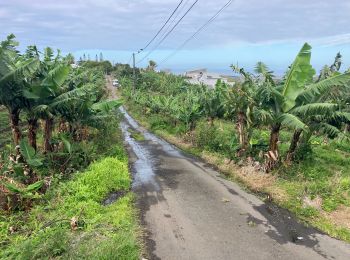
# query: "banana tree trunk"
48,128
293,145
272,155
242,131
274,137
14,121
32,130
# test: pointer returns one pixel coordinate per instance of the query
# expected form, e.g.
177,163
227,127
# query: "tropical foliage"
55,169
43,89
299,102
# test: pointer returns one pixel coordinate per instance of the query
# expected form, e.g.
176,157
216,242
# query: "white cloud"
127,25
334,40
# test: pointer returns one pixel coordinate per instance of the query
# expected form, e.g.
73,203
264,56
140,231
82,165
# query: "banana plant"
239,105
29,154
41,92
278,101
287,104
213,101
188,110
15,71
23,194
321,109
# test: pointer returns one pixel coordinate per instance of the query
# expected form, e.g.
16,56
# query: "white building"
202,76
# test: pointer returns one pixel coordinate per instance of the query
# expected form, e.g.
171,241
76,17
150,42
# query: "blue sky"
246,32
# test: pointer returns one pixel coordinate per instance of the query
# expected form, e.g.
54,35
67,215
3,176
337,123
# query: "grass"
136,135
102,232
316,189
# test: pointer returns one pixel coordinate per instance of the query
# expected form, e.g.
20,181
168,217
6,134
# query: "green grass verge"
103,232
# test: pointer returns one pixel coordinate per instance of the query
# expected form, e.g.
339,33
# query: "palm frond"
70,96
317,89
106,106
21,71
329,129
262,115
57,76
340,116
300,73
315,109
292,121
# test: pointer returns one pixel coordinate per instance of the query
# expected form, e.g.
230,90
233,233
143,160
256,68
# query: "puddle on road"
168,148
128,118
143,166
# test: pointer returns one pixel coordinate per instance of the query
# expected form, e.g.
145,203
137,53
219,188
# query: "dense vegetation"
295,129
55,169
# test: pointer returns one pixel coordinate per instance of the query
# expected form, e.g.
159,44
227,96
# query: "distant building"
166,71
202,76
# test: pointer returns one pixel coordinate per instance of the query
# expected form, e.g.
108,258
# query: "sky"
246,32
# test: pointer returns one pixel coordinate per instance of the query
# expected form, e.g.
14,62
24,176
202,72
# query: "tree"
32,120
239,106
213,101
278,101
294,101
323,110
43,90
69,59
151,65
15,70
320,110
101,57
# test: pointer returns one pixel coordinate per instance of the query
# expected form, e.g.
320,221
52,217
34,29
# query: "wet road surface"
190,212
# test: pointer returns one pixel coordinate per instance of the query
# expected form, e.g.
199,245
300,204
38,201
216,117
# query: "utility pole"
134,71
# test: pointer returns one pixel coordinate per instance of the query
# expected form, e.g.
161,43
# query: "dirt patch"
255,180
176,141
340,216
315,203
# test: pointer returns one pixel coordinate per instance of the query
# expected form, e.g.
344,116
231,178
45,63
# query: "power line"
177,7
197,32
172,29
166,29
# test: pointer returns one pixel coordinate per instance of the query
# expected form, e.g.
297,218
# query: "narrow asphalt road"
190,212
